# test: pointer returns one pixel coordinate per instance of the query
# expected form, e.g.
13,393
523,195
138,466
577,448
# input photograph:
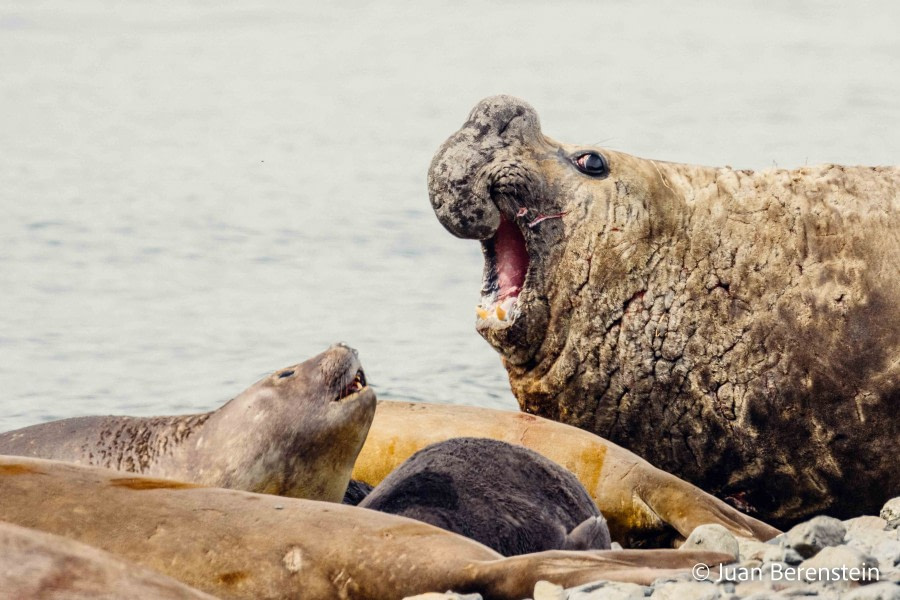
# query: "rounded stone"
884,590
888,554
890,512
714,538
544,590
752,549
608,590
833,558
687,589
782,554
810,537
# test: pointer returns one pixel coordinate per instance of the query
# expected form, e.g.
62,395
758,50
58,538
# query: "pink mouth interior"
512,259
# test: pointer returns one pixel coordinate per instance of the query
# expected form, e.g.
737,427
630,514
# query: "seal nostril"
284,374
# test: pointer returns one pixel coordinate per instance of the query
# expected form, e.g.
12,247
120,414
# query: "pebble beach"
855,559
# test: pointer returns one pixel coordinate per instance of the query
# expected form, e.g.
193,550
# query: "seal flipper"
590,534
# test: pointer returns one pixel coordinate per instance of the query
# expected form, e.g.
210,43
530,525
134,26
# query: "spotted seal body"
235,544
738,329
296,433
507,497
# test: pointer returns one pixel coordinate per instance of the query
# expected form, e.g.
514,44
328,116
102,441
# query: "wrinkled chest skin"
739,329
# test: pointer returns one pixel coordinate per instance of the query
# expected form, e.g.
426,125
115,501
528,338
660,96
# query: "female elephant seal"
296,432
738,329
644,506
235,544
38,566
507,497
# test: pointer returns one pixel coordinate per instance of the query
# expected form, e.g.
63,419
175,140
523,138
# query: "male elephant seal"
38,566
507,497
296,432
235,544
644,506
738,329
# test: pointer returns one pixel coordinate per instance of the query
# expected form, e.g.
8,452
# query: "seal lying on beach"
38,566
294,433
644,506
507,497
738,329
239,545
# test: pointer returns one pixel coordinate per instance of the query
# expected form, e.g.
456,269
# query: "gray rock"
865,532
713,538
679,590
837,558
799,592
888,554
687,576
782,554
884,590
890,512
544,590
810,537
769,566
751,549
608,590
864,526
758,588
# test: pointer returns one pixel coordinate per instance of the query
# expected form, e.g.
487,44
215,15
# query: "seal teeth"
501,314
482,314
358,383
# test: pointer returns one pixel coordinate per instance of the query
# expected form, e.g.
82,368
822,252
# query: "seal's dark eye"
591,163
284,374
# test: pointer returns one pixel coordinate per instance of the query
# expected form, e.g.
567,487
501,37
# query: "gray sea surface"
196,193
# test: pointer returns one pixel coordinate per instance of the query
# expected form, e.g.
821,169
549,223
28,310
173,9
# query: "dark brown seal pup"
645,507
296,432
236,544
356,492
738,329
507,497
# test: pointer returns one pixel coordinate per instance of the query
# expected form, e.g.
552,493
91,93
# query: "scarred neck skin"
705,339
738,329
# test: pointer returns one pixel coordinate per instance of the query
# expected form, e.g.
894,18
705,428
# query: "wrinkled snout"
460,179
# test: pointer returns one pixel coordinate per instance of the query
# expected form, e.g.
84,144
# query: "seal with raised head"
235,544
644,506
507,497
296,432
739,329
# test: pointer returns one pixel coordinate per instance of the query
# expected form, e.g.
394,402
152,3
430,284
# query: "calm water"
196,193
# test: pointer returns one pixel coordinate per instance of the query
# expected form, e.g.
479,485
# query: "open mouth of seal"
356,385
506,264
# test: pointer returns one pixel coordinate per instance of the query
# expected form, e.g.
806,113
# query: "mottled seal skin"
38,566
296,432
235,544
739,329
644,506
507,497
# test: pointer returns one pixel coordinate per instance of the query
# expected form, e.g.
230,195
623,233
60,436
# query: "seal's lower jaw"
363,395
505,270
503,317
